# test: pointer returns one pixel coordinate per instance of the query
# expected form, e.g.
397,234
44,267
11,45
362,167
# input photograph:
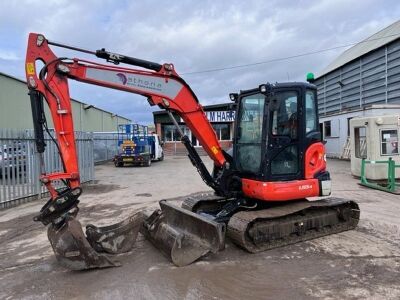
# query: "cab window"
284,120
311,112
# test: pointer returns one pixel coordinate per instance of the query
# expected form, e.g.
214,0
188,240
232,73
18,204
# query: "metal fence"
105,146
20,167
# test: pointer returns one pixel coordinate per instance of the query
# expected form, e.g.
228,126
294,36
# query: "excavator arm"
160,84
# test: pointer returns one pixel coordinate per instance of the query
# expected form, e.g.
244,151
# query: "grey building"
15,110
363,80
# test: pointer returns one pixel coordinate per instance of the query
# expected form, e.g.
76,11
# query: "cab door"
284,153
248,143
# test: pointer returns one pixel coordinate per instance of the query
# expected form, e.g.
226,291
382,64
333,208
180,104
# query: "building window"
168,133
327,129
171,134
348,125
360,142
176,135
389,142
223,131
321,130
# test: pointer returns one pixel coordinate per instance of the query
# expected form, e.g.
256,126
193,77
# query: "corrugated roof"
375,41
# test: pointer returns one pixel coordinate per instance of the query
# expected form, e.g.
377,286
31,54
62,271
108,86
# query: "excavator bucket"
72,249
182,235
117,238
75,251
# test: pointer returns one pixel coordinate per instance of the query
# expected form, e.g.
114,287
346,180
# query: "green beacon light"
310,77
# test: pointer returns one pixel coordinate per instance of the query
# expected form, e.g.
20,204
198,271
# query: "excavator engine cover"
182,235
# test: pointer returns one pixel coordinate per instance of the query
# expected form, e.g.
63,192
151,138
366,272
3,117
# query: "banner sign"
221,116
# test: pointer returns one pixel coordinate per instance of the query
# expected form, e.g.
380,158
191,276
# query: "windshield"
251,112
251,119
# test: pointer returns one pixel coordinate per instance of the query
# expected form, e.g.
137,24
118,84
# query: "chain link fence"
20,163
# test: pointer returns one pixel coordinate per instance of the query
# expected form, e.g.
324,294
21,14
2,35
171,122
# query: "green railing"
390,185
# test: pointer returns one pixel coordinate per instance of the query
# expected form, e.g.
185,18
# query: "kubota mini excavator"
260,186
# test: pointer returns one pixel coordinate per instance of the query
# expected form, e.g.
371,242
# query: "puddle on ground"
144,195
100,188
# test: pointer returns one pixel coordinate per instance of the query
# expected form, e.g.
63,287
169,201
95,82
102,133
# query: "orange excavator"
260,186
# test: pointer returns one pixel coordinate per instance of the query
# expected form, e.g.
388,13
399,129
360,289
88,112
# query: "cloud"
195,35
8,55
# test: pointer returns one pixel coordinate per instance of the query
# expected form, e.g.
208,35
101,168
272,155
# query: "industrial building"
15,112
221,117
363,81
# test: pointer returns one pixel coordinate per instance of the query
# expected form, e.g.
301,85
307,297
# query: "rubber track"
240,223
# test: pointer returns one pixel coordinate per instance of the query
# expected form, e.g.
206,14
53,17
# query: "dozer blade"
116,238
182,235
72,249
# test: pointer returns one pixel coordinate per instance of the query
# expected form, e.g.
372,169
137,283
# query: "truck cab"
156,149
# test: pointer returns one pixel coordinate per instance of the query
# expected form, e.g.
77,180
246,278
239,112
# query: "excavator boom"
162,86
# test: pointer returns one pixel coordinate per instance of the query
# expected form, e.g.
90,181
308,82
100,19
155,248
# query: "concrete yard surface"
359,264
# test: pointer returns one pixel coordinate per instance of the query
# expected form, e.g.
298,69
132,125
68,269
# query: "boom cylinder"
38,119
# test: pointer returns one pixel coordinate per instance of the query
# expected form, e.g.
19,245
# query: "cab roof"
283,85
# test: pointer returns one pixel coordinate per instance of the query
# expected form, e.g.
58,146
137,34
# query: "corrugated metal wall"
371,79
15,110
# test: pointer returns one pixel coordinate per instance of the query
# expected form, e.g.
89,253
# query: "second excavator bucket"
75,251
116,238
182,235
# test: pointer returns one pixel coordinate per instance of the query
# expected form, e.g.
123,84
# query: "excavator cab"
274,129
278,141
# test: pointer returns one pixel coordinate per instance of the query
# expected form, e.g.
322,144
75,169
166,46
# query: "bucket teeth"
116,238
72,249
181,235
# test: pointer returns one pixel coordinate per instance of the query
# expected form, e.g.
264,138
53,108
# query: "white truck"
157,152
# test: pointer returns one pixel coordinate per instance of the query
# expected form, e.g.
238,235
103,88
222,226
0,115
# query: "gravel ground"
359,264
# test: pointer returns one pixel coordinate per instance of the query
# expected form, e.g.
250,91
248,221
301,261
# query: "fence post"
391,175
92,156
363,177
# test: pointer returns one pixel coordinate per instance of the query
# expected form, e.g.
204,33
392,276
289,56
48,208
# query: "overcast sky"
195,36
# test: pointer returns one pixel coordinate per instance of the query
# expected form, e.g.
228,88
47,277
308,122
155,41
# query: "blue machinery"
134,145
136,133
